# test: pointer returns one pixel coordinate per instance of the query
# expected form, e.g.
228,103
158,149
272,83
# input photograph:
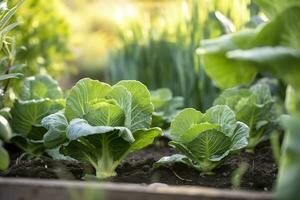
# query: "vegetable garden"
212,101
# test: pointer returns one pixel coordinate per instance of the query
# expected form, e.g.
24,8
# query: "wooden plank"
36,189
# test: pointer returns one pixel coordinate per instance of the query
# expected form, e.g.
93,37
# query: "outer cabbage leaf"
27,116
274,7
26,121
141,106
224,71
83,95
273,59
253,106
56,124
183,122
40,86
171,160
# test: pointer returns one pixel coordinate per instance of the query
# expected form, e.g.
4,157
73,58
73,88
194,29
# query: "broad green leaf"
274,7
144,137
183,121
281,31
5,130
80,150
240,136
196,130
27,116
227,42
39,87
168,161
262,93
124,99
183,149
30,146
141,106
272,59
56,124
4,158
160,96
80,128
223,116
10,76
289,171
56,155
211,145
105,114
231,97
82,95
227,72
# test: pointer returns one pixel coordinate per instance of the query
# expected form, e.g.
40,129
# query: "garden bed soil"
137,168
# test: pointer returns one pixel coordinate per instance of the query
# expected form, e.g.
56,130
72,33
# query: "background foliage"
43,37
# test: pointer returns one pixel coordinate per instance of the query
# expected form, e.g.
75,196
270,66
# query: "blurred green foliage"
7,65
43,37
159,49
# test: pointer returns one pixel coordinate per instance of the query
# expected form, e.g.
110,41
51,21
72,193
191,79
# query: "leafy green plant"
165,107
267,48
44,37
6,67
102,124
273,48
205,139
39,97
254,107
289,163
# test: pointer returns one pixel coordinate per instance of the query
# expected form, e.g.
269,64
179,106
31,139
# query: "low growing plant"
254,107
39,97
165,107
205,139
7,52
102,124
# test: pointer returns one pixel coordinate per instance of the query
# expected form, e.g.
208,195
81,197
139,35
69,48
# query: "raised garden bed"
137,168
29,189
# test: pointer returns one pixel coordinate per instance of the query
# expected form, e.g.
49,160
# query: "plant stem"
105,168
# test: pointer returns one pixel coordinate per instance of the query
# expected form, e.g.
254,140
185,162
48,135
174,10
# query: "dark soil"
137,168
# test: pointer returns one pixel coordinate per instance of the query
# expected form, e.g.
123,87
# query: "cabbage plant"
102,124
39,97
254,107
205,139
